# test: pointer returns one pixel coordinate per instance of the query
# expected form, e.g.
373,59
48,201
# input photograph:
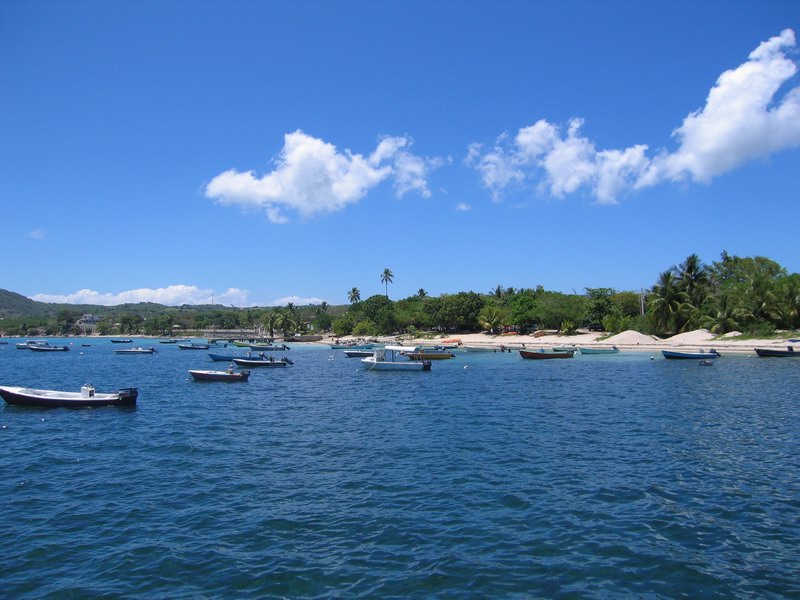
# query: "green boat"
613,350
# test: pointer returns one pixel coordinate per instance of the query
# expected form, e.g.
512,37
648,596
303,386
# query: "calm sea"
488,477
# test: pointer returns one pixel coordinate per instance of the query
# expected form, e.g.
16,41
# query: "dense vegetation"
754,295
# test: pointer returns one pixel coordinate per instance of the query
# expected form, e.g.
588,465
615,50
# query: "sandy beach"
625,341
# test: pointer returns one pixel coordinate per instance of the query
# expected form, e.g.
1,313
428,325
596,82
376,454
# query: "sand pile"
631,338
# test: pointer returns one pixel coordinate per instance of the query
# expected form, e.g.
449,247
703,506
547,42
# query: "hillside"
17,305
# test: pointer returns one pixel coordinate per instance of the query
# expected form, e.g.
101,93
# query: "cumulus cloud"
36,234
173,295
745,117
463,207
313,177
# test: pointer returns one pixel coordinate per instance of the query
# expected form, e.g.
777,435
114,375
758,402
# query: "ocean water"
488,477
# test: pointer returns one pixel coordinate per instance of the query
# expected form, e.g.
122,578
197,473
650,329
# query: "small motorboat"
122,341
352,346
776,353
31,343
545,354
167,341
612,350
358,353
227,375
50,348
136,351
428,353
395,358
262,361
193,346
269,347
701,355
87,397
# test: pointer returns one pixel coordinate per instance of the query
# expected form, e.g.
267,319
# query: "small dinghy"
87,397
136,351
227,375
263,361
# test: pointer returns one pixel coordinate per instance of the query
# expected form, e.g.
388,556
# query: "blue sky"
265,152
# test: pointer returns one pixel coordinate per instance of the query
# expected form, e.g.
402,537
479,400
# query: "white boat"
31,343
394,358
136,351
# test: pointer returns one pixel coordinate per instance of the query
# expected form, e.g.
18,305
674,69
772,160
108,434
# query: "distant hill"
17,305
13,305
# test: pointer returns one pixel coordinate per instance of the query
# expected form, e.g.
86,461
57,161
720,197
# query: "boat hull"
193,346
136,351
675,355
599,350
539,354
372,365
50,348
775,353
56,399
269,348
223,357
251,362
200,375
358,353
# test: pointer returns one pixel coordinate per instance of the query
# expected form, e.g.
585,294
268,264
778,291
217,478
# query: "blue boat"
701,355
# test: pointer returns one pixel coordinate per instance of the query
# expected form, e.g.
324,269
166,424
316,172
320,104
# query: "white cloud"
296,300
312,177
173,295
36,234
463,207
744,118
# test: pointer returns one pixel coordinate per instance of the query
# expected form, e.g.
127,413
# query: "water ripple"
586,478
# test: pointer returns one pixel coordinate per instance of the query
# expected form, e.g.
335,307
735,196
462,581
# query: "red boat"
540,354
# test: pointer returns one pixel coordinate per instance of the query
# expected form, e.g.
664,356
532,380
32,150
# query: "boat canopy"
403,348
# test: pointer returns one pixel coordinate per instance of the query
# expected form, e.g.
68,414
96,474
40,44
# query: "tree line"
750,294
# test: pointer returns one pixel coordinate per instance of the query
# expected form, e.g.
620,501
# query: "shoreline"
630,341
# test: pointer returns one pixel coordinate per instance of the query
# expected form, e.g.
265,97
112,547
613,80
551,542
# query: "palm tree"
722,316
270,321
386,279
421,293
354,295
693,277
492,317
667,303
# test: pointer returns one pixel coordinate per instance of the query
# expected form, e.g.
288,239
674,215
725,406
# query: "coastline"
630,341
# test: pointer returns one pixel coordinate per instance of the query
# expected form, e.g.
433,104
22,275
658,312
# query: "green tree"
523,309
354,295
492,317
721,315
667,304
693,276
553,308
600,304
